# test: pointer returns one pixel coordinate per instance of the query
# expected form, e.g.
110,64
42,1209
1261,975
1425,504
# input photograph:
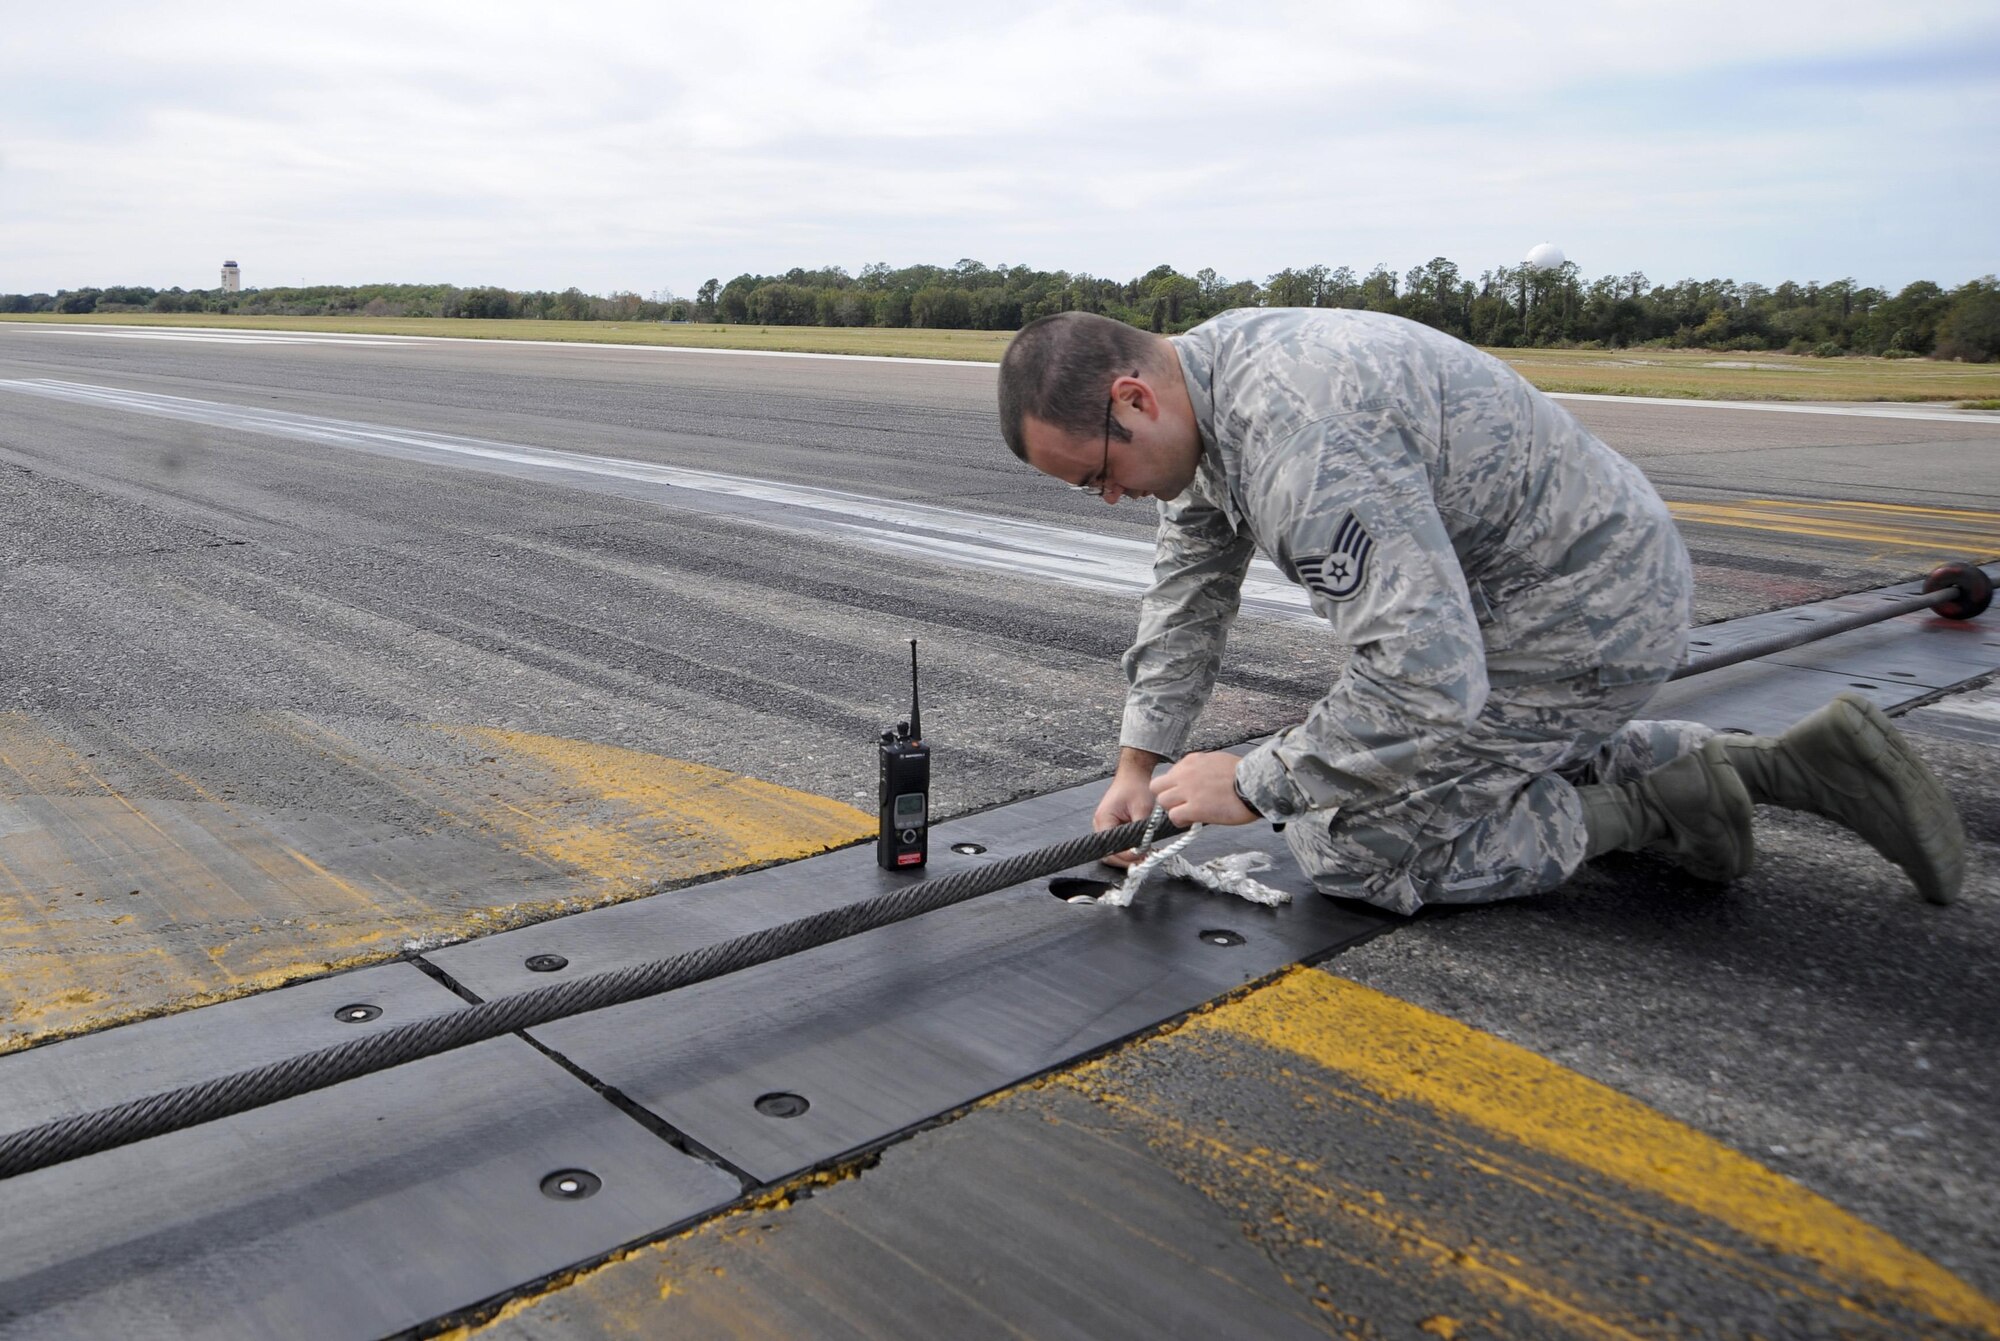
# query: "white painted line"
963,539
305,337
15,820
216,335
1785,407
220,334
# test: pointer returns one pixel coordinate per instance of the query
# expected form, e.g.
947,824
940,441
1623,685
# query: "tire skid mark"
1034,550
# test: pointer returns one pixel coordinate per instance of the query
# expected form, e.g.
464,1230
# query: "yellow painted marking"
115,906
1909,509
1891,526
1407,1063
620,814
1487,1273
1407,1054
1451,1248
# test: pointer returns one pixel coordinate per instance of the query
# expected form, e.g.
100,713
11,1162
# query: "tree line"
1509,306
368,300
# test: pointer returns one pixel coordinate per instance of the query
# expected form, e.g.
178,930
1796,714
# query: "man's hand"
1128,798
1201,789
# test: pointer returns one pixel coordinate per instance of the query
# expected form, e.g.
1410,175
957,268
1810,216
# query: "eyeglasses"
1104,468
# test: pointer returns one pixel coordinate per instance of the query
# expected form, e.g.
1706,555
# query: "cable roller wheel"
1975,589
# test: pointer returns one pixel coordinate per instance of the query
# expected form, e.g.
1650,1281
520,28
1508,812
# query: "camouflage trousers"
1499,816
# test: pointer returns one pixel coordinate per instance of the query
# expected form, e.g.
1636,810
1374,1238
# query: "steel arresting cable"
1937,599
190,1105
1957,590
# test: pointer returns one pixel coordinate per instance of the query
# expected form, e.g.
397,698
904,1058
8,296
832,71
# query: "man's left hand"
1201,789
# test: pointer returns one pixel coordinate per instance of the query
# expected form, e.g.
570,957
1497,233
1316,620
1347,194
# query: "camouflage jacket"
1455,527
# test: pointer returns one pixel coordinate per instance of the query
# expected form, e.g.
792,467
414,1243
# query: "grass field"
1691,374
1702,375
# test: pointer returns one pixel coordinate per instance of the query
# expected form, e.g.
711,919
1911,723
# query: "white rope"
1230,875
1224,875
1121,897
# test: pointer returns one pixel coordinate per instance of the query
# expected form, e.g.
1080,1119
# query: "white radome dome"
1545,256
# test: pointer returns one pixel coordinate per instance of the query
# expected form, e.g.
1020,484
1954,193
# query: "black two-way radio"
904,797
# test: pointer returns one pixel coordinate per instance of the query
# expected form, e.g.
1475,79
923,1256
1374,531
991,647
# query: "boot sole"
1936,860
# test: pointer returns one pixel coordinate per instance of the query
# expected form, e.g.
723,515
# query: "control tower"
232,278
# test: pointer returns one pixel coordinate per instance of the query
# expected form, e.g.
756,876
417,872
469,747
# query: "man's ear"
1137,393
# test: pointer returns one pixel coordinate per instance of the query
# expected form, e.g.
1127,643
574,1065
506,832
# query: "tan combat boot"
1695,811
1848,764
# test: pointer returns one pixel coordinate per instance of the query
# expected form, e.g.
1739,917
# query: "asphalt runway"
324,649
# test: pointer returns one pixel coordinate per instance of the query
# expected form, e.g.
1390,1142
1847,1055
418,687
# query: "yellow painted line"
1407,1054
1939,531
1911,509
1572,1200
1855,517
1489,1277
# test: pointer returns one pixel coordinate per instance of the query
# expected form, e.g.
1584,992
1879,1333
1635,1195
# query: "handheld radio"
904,796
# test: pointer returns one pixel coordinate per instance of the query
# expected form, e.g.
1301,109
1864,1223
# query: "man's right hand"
1128,798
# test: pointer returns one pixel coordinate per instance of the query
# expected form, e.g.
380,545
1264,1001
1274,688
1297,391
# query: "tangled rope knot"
1225,875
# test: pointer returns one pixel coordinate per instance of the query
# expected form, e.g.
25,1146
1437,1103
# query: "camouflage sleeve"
1199,560
1364,535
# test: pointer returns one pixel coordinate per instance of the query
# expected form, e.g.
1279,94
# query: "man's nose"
1113,492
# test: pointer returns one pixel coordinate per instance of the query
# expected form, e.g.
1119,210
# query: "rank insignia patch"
1337,576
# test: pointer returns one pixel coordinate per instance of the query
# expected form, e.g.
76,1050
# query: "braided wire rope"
1816,632
69,1138
74,1137
174,1110
1122,895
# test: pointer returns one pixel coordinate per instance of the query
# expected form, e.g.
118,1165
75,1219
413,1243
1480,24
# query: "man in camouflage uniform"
1513,591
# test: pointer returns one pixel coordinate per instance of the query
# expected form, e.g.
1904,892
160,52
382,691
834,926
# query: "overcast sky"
652,145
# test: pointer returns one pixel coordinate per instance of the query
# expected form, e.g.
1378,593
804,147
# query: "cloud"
653,145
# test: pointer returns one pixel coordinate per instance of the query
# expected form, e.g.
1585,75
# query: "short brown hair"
1059,369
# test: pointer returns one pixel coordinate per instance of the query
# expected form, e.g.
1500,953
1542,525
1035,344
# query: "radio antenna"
916,712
